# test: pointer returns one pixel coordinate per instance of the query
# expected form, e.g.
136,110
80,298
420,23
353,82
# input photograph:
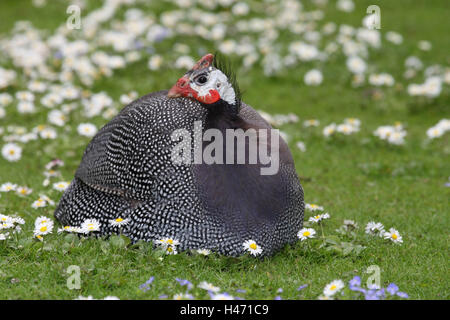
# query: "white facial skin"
218,81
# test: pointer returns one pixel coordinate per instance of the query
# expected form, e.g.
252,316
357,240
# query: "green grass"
356,177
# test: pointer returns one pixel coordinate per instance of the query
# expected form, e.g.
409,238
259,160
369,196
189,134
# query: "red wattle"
211,97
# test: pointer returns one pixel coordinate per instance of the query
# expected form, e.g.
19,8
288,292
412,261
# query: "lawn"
355,177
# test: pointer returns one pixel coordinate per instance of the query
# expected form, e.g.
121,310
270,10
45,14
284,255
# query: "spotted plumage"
127,172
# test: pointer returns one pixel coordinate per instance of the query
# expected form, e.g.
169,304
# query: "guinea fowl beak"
180,89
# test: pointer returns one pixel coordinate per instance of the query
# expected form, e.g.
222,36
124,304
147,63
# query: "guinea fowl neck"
222,115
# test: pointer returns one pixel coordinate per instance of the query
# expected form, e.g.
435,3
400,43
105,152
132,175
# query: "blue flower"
302,287
392,289
145,286
184,282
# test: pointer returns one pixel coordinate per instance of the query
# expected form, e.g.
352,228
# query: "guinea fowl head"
210,82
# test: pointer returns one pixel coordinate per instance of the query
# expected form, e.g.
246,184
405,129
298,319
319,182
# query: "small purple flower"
371,295
146,286
184,282
277,298
392,288
280,290
302,287
163,296
355,282
447,184
402,294
241,291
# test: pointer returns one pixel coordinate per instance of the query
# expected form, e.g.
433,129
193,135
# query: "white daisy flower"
171,250
23,191
221,296
435,132
311,123
375,228
119,222
204,252
329,130
313,77
252,247
90,225
8,186
208,286
61,186
11,152
167,242
40,203
313,207
333,287
393,235
87,129
319,217
43,226
306,233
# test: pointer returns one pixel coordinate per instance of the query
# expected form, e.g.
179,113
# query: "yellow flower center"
394,236
333,287
306,233
119,220
253,246
43,228
169,249
169,241
317,217
11,152
23,191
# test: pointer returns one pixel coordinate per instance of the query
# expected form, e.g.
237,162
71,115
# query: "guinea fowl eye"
201,79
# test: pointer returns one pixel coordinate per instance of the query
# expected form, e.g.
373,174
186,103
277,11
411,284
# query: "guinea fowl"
128,172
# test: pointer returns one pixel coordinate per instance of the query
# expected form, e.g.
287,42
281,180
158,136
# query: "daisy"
313,77
43,226
393,235
306,233
48,133
333,287
23,191
183,296
252,247
221,296
435,132
311,123
171,250
61,186
8,186
313,207
353,122
204,252
40,203
18,220
167,242
11,152
301,145
329,130
375,228
90,225
350,224
345,129
87,129
208,286
119,222
319,217
42,220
